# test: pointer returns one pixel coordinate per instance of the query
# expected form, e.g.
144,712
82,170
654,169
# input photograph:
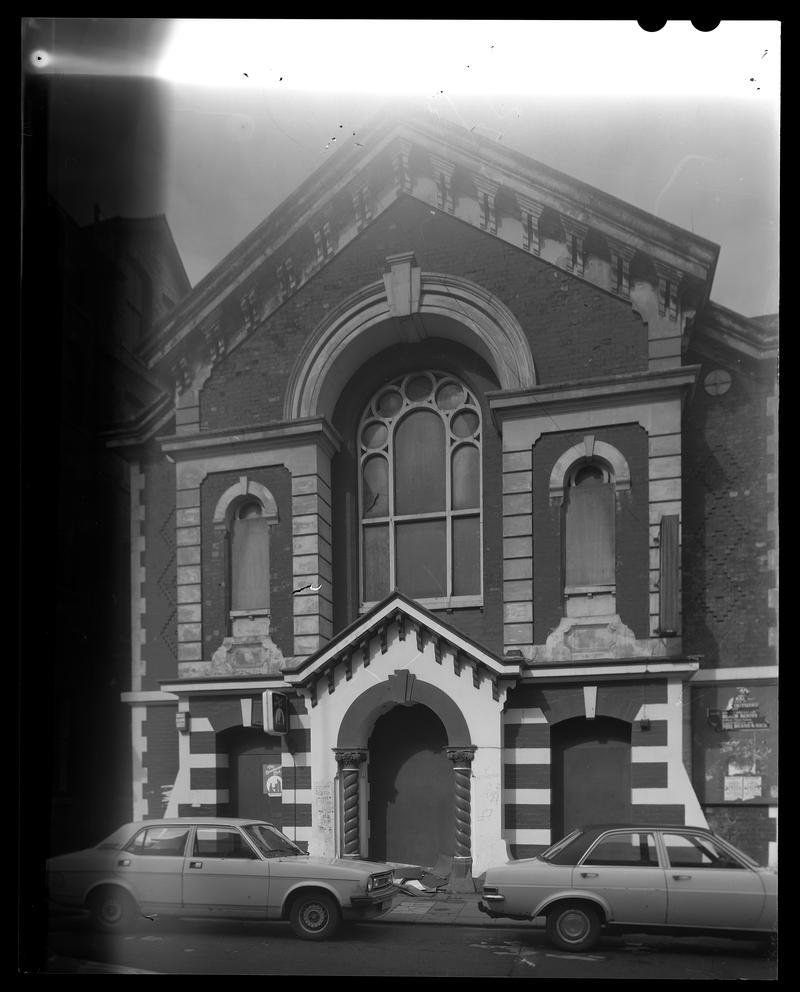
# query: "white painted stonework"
481,712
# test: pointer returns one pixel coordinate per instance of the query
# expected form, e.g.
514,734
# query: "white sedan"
621,878
231,868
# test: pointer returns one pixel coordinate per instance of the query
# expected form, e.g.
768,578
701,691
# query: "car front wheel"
111,909
573,926
315,916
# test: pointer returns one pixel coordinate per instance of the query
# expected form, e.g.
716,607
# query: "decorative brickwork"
728,547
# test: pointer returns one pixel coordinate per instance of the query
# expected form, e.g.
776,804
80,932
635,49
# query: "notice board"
735,743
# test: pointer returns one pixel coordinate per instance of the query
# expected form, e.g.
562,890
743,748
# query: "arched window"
589,527
249,557
419,444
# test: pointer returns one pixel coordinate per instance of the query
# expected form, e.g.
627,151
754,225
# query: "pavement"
443,907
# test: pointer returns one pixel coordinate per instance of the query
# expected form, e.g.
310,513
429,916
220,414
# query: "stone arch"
245,487
587,449
342,342
359,719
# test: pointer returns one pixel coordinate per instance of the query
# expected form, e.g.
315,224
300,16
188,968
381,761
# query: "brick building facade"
462,460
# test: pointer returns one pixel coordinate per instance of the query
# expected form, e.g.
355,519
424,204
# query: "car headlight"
380,881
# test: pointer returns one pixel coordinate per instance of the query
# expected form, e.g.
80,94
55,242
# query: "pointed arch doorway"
410,787
591,773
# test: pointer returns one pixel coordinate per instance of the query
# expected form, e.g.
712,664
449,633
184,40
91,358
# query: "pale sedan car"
229,868
619,878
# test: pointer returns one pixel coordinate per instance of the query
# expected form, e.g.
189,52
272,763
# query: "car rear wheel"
315,916
573,926
111,909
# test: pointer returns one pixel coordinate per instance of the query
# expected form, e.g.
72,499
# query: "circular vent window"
717,383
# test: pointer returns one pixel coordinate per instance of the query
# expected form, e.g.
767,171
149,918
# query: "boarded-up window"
590,529
250,559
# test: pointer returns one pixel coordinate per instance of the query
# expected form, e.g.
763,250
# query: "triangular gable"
413,620
452,171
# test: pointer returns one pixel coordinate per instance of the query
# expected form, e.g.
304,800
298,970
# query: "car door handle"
124,862
681,878
195,864
588,874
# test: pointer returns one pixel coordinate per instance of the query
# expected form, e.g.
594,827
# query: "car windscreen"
750,862
117,840
566,851
269,841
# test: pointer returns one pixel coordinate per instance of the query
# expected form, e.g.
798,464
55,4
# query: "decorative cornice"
222,685
605,671
724,328
590,393
183,447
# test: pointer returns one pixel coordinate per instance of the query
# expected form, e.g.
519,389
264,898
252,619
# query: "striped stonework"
138,606
311,559
664,463
198,790
305,451
526,780
297,780
188,538
137,572
661,788
139,772
772,857
772,519
517,551
203,783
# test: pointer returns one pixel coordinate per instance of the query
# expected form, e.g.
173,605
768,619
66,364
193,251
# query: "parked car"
230,867
619,878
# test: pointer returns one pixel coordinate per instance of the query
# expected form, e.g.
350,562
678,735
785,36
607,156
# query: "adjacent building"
457,466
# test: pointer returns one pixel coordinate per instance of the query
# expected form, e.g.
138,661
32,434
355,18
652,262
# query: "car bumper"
495,911
488,909
371,906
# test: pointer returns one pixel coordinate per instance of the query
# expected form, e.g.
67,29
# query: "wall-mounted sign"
741,713
735,743
276,713
272,780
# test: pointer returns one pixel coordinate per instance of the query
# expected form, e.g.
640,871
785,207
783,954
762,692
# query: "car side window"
697,851
221,842
159,842
627,849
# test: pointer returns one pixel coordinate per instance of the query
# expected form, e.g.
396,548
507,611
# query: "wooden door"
255,776
411,783
591,773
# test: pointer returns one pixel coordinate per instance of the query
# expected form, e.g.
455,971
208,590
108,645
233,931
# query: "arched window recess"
419,443
585,481
589,529
246,513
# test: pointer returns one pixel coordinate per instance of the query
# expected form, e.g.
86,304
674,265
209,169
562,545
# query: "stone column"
461,878
349,762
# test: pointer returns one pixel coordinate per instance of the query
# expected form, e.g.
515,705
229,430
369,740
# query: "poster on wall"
272,780
735,743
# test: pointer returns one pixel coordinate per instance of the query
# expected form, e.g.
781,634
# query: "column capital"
349,757
460,755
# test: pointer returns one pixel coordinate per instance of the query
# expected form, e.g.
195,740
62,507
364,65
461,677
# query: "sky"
215,122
